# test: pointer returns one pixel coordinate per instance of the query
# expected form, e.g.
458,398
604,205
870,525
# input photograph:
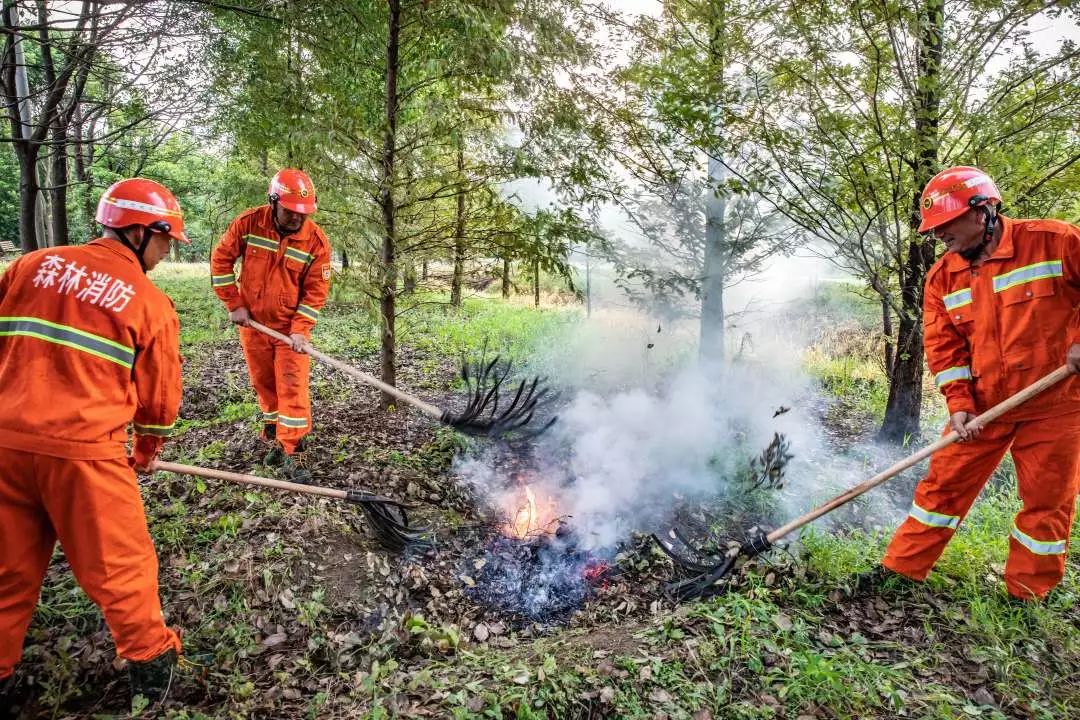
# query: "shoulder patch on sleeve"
326,271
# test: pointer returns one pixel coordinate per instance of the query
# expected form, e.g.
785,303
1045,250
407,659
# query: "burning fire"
529,518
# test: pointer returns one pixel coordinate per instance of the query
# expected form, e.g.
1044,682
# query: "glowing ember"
529,518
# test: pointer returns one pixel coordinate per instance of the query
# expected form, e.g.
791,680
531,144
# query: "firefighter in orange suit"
88,346
283,283
1000,312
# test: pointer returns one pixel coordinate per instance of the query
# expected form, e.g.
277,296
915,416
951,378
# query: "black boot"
275,458
294,471
152,678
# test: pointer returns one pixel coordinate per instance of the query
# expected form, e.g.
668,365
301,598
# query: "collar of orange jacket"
119,248
954,262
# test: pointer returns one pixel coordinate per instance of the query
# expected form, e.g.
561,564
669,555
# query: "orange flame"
527,518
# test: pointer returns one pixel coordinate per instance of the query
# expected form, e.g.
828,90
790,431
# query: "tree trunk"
344,259
25,150
424,271
887,330
506,278
536,281
459,232
58,180
387,203
408,284
905,386
711,348
28,197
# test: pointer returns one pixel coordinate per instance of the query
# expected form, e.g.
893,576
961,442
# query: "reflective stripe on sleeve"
1019,276
158,430
69,337
960,372
1039,547
933,519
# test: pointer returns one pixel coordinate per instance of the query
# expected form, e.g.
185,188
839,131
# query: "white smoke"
647,427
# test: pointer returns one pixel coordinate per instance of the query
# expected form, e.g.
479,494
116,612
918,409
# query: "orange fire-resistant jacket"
283,283
87,345
992,330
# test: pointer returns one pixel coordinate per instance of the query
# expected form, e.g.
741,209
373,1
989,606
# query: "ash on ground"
541,579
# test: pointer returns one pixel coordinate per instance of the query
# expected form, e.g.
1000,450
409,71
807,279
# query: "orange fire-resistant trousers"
1047,457
279,375
94,508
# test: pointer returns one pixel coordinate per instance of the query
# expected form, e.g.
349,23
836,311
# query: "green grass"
757,653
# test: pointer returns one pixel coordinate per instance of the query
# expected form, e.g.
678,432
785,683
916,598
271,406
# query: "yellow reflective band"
933,519
298,255
960,372
957,299
308,312
261,242
292,422
68,337
158,430
1054,547
222,280
1019,276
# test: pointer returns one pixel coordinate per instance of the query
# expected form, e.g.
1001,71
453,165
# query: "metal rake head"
389,522
710,568
486,414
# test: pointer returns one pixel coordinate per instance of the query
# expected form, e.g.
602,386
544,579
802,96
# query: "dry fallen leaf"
660,695
275,639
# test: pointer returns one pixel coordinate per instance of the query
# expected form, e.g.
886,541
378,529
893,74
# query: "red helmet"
952,192
138,201
294,190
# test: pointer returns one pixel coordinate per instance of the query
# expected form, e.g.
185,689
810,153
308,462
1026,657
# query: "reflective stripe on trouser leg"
294,402
259,354
957,474
98,514
1047,457
26,545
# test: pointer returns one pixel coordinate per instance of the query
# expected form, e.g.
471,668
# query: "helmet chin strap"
273,214
140,251
990,226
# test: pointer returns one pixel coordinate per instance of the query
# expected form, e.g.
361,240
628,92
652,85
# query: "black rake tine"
517,397
680,560
692,560
697,549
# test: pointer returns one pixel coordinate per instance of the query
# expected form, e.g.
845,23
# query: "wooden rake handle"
247,479
992,414
367,379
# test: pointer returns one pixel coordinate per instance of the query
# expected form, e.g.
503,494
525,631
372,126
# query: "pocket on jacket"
1028,292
